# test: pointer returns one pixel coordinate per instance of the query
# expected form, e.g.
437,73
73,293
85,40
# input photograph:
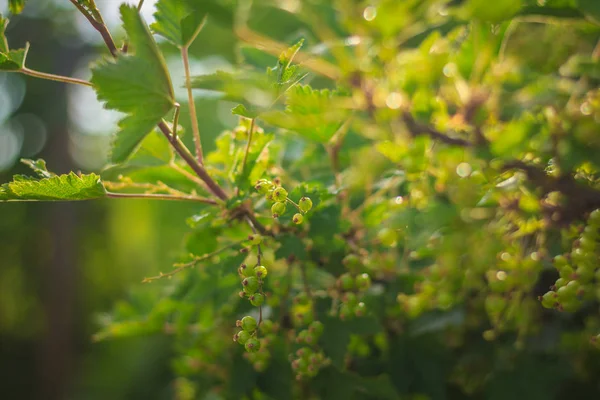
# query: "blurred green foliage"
449,149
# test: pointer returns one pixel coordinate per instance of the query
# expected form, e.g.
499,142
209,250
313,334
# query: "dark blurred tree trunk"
59,276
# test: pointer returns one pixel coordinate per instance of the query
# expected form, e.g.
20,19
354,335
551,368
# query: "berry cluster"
260,358
578,271
252,289
308,359
276,193
351,287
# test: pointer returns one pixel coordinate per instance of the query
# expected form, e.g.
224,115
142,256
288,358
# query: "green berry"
351,261
241,337
345,311
316,328
255,239
360,309
297,218
595,216
350,299
248,324
250,285
278,209
560,282
305,204
363,281
279,194
263,186
301,299
566,272
267,326
260,271
252,345
257,299
245,271
584,273
560,261
387,237
549,300
346,282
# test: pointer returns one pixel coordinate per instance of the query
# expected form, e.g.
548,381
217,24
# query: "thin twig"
250,131
184,153
181,267
52,77
415,129
157,196
100,26
188,86
275,48
307,289
176,119
140,4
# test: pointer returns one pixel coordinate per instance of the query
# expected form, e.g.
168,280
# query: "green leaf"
16,6
10,60
252,167
39,167
177,21
3,42
581,65
314,114
138,85
591,8
242,111
63,187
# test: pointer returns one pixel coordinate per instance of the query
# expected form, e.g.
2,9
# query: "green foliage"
10,60
407,207
177,21
56,188
16,6
138,85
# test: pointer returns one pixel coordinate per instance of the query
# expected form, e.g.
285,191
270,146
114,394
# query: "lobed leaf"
16,6
55,188
177,21
138,85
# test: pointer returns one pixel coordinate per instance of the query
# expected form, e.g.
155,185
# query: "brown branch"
191,161
158,196
416,129
580,198
101,27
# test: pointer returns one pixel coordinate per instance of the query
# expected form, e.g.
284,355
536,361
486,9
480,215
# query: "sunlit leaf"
138,85
56,188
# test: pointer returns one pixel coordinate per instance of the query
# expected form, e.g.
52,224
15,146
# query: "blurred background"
62,265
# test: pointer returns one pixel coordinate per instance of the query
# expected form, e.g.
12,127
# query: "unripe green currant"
257,299
263,186
267,326
346,282
549,300
584,273
297,218
244,270
566,272
316,328
350,299
301,299
248,324
387,237
560,282
560,261
360,309
345,311
260,271
250,284
279,194
241,337
255,239
351,261
278,209
305,204
363,281
252,345
595,216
